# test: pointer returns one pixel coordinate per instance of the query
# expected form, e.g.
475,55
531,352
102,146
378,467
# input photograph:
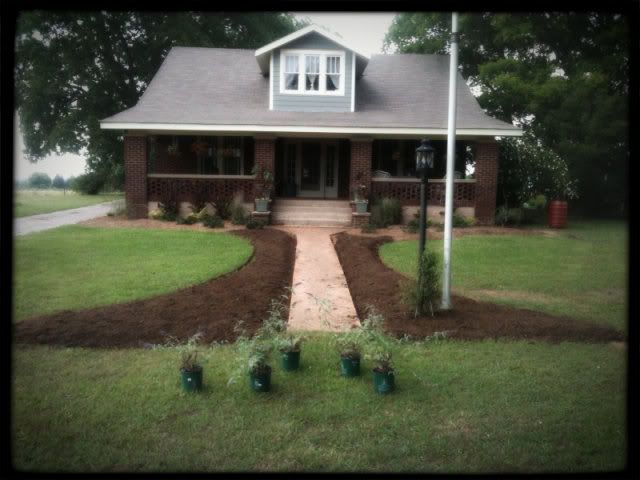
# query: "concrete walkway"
320,299
45,221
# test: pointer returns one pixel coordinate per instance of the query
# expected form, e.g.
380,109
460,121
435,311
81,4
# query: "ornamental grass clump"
190,363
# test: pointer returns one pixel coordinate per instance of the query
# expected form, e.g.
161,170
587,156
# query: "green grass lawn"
76,267
581,273
33,202
459,407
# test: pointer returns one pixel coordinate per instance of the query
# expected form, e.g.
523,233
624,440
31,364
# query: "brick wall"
361,153
265,158
135,175
486,158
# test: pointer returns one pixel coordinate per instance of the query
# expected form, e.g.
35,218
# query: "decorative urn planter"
262,204
361,206
191,380
557,214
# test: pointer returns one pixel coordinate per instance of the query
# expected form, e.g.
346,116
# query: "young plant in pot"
349,346
379,350
190,366
360,198
275,327
253,354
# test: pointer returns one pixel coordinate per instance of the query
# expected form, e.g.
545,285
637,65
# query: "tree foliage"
75,68
39,180
58,182
561,76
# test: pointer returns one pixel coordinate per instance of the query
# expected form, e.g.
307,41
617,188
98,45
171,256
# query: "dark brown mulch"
212,307
373,283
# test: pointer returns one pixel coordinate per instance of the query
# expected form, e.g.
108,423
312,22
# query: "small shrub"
254,223
223,203
200,198
369,228
460,221
385,212
213,221
189,353
188,220
156,214
169,204
413,225
508,216
239,215
423,292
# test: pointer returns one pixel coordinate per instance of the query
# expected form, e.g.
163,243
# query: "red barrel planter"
557,214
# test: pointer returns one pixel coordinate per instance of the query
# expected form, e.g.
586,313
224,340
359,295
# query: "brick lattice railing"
464,193
187,187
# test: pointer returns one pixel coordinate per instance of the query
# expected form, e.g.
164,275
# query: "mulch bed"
212,307
373,283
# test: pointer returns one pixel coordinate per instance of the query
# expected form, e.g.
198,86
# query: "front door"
316,169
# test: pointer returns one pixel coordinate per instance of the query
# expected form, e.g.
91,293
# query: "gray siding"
312,103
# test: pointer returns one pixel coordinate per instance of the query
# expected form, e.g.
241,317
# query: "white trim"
271,81
195,175
417,180
353,82
302,54
199,127
302,32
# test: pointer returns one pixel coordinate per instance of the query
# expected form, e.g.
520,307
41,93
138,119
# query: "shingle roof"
218,86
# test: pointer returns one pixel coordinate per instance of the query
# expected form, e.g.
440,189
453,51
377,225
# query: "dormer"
311,70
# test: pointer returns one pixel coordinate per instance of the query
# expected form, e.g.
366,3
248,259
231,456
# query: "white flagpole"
451,155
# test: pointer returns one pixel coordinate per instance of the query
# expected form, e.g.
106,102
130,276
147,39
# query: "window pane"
312,69
291,81
333,65
291,72
333,82
291,64
231,155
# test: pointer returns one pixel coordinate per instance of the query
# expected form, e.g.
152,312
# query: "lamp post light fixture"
424,161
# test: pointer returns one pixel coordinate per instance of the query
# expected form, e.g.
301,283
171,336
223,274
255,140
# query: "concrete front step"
320,212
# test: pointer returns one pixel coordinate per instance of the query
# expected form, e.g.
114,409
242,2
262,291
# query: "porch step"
311,212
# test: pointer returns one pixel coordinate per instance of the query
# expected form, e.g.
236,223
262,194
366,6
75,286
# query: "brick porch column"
265,158
135,175
486,157
361,152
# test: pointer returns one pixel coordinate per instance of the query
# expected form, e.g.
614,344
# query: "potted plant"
289,347
379,351
253,357
360,198
190,367
263,198
349,345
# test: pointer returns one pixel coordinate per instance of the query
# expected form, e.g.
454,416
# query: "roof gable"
262,54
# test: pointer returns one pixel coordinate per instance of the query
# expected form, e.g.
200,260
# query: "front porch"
215,167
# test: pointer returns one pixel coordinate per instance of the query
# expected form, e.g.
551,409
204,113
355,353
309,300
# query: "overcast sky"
364,31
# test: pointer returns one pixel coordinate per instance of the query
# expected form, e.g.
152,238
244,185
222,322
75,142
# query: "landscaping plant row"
254,352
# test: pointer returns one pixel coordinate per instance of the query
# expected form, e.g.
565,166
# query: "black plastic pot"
290,361
191,380
349,366
261,381
383,382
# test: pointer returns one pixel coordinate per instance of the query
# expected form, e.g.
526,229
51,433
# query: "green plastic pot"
361,207
191,380
349,367
383,382
261,382
290,361
262,204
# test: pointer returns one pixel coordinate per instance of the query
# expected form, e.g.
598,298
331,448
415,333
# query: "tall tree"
75,68
562,76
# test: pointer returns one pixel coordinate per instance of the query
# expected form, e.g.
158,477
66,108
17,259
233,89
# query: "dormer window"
312,72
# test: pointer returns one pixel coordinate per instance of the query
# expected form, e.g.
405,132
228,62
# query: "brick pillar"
361,150
486,157
135,175
265,158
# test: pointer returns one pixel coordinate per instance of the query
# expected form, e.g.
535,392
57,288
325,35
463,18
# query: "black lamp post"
424,161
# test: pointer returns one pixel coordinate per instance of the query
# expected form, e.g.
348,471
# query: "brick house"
322,117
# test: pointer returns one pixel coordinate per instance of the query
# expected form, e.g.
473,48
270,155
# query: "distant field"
33,202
